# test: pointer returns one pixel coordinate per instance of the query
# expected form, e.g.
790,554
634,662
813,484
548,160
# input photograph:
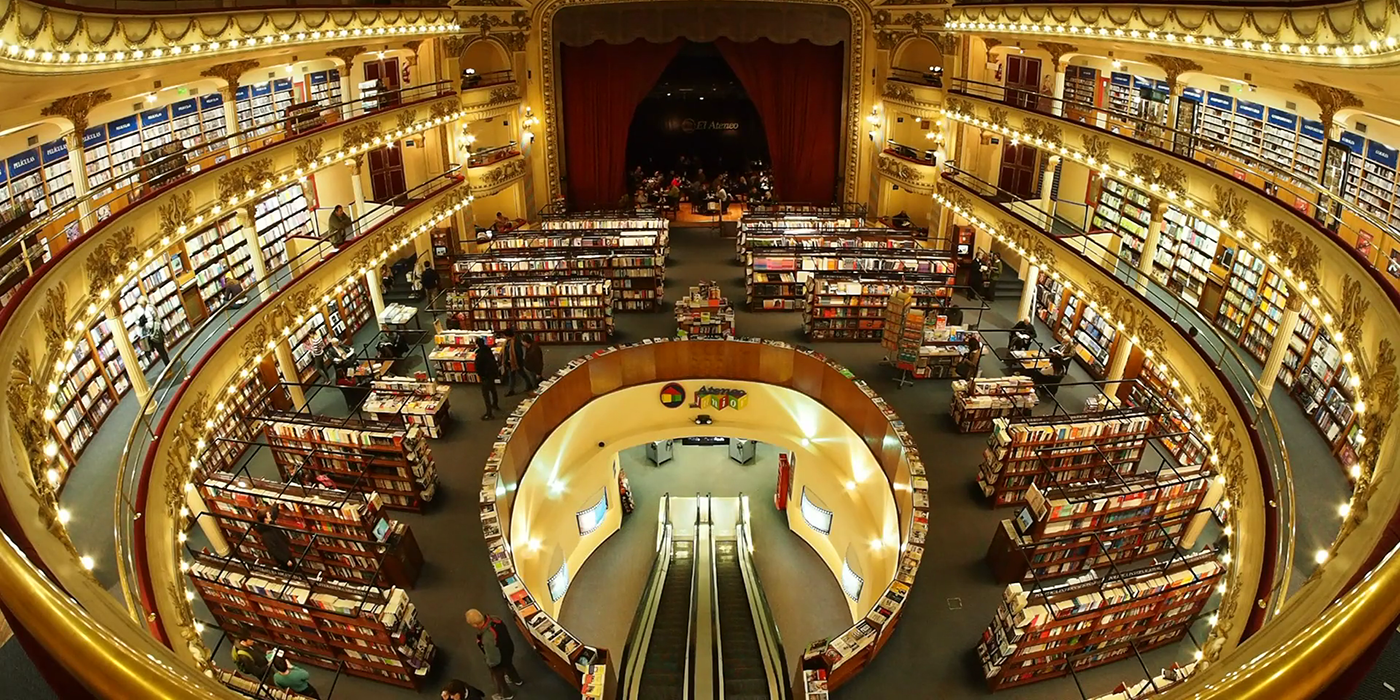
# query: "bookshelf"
1081,92
635,258
1303,333
158,282
846,306
1164,399
241,424
566,310
364,631
349,309
301,339
214,251
777,270
108,355
1062,449
704,313
84,399
1078,528
1126,211
422,405
1241,292
1264,321
364,456
976,403
452,359
277,217
339,534
1195,246
58,173
27,180
323,87
1049,295
1094,338
903,331
942,348
1050,631
211,120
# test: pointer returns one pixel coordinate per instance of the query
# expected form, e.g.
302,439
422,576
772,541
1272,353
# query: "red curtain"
797,89
603,84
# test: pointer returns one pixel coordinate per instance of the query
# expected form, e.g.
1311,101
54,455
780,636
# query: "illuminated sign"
720,399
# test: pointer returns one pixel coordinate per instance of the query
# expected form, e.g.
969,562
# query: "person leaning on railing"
339,226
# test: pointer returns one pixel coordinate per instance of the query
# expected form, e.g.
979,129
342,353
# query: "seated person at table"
502,224
339,355
1022,334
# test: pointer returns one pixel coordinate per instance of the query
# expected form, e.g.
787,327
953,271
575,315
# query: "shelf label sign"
282,85
1253,110
152,117
1378,152
1193,95
184,108
672,395
94,136
122,127
1355,142
1313,130
24,163
1282,119
720,398
1219,101
211,101
241,93
55,151
1121,79
319,78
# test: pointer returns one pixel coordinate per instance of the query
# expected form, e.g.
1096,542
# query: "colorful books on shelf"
454,358
410,402
845,307
704,313
976,402
903,331
391,460
565,310
1059,449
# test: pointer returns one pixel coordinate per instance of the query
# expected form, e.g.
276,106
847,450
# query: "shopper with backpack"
493,637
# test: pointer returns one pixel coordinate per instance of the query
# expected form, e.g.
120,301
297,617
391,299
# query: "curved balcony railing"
136,183
1209,342
135,460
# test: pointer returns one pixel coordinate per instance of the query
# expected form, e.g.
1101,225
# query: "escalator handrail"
634,652
691,631
769,639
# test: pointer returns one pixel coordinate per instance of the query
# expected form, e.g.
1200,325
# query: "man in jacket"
339,225
278,547
534,357
250,658
515,363
484,361
493,637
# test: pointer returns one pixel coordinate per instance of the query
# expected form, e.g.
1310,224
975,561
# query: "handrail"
1228,361
691,631
472,80
494,154
634,653
132,475
769,639
134,194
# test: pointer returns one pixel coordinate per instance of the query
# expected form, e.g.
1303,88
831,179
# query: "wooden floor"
686,216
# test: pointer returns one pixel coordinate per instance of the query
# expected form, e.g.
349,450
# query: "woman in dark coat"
534,357
488,371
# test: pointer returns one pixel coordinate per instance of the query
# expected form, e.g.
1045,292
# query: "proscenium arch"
574,463
852,109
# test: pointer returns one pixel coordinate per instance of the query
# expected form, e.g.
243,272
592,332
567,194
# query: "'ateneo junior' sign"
719,399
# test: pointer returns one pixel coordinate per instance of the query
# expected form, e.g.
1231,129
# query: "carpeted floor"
930,655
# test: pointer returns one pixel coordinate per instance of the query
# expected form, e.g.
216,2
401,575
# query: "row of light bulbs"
1321,50
28,54
81,324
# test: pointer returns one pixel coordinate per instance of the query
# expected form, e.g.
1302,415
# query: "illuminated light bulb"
877,543
50,448
1228,530
1321,556
64,516
1344,510
182,537
1225,558
1214,619
199,627
189,595
53,476
1390,42
50,414
1200,655
1356,471
1220,588
850,485
184,565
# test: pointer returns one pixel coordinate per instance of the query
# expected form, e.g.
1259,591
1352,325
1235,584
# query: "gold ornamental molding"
906,174
346,54
855,90
1058,51
1330,100
39,38
75,108
107,262
1174,67
498,178
1358,33
230,72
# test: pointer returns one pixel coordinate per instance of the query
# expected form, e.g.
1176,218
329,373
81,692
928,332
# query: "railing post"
1282,338
127,351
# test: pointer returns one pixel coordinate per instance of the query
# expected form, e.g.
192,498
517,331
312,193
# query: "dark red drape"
797,89
603,84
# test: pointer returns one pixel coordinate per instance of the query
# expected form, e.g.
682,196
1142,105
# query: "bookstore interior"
676,339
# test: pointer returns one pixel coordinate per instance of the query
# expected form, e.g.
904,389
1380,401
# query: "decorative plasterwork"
1047,131
230,72
1330,100
346,54
499,177
855,91
898,91
109,259
42,38
1230,206
1166,175
1174,67
1351,317
309,150
1345,33
75,108
1057,51
250,177
905,173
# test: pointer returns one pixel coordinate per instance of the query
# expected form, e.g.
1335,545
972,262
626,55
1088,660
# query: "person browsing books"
515,363
488,371
493,637
293,678
534,358
250,657
278,547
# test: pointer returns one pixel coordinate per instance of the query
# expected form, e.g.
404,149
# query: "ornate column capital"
346,54
229,72
75,108
1057,51
1174,67
1330,100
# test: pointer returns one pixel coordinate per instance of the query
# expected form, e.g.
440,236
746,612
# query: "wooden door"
1023,82
386,71
1018,171
386,174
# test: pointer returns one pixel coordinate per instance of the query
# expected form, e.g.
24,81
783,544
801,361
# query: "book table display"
942,348
339,534
827,663
778,269
409,402
392,461
453,360
976,402
1042,632
1065,530
1061,448
704,313
364,631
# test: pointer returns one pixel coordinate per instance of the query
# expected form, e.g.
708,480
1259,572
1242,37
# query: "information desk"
766,362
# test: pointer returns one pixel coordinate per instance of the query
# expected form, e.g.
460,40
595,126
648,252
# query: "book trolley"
366,631
1061,448
422,405
565,310
341,534
453,360
704,313
978,401
1041,632
1072,528
851,305
390,460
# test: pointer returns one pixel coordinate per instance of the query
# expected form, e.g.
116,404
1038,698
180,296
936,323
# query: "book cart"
393,461
635,258
978,401
365,631
845,305
903,334
704,313
1042,631
453,358
412,403
339,534
1060,447
566,309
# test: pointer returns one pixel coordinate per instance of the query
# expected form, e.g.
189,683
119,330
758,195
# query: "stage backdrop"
796,88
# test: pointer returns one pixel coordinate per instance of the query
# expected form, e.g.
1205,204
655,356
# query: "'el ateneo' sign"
693,125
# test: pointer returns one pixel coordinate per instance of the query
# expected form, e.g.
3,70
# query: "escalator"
744,673
665,671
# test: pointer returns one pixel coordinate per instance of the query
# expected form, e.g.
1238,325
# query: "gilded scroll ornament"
177,210
406,119
513,41
509,171
1329,99
75,108
109,260
1155,171
54,315
1095,146
958,105
359,134
897,169
231,71
307,151
254,343
440,110
1230,207
1294,252
1057,51
898,91
919,20
1381,394
1352,314
997,116
346,55
504,93
1173,66
1043,130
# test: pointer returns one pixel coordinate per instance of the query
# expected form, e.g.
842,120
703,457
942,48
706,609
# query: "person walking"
534,358
515,363
339,226
317,346
493,637
274,540
488,372
430,279
460,690
155,339
249,657
293,678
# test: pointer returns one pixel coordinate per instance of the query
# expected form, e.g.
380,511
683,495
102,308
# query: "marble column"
287,365
81,188
1274,362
